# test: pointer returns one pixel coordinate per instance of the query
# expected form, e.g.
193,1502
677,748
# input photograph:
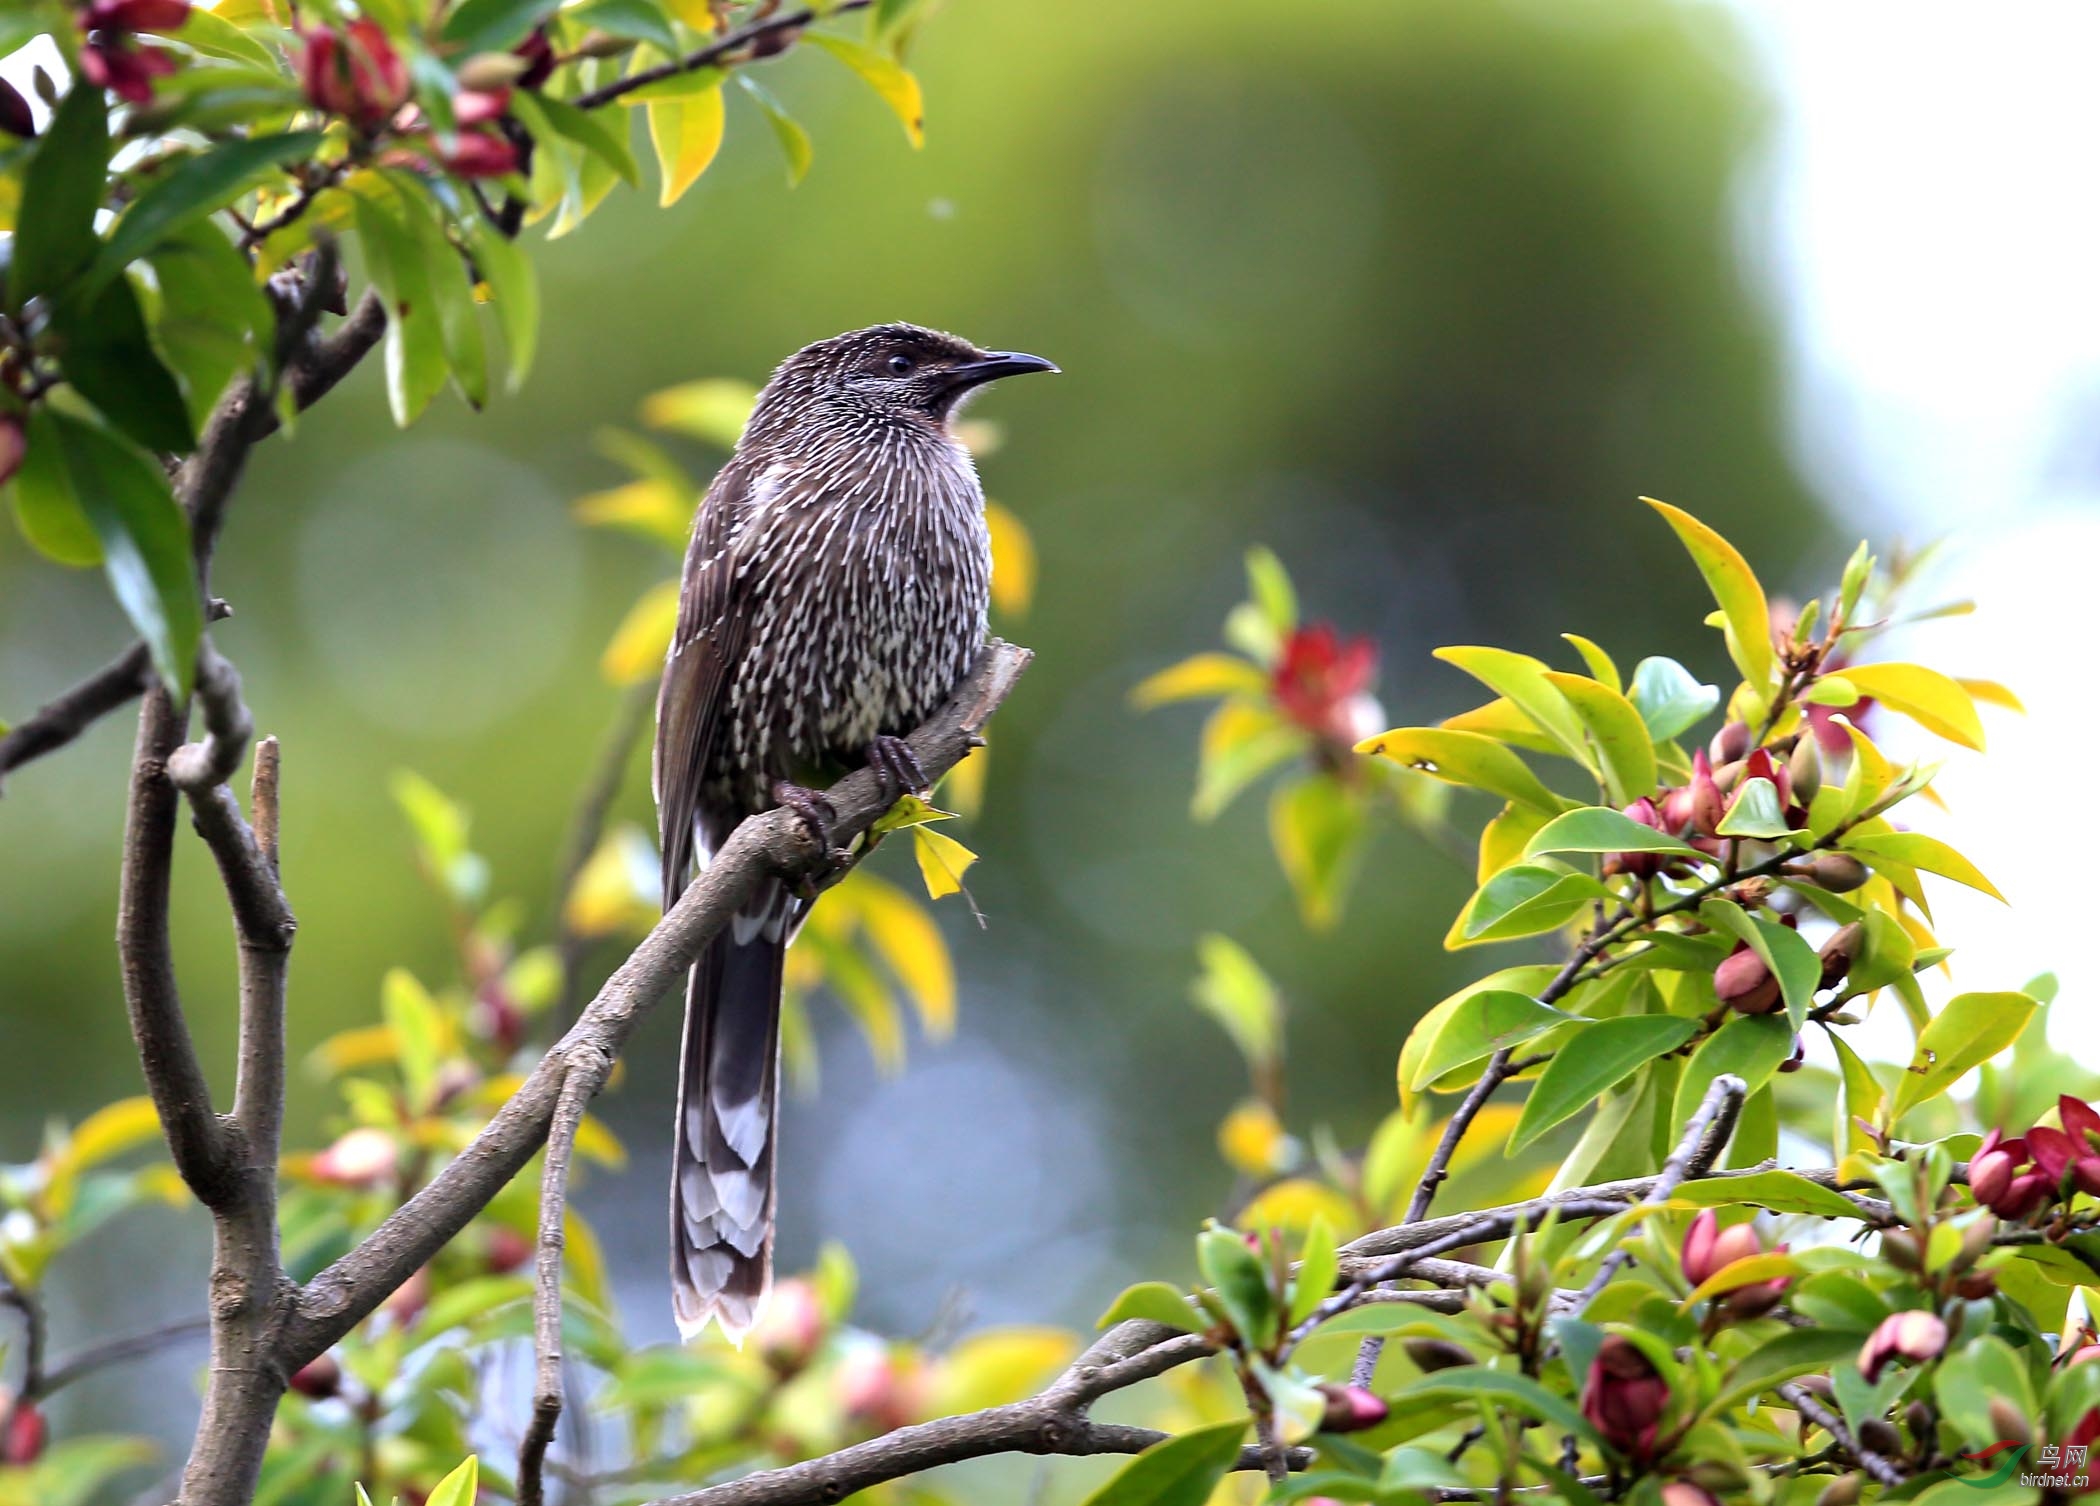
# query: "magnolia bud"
1838,872
1436,1354
1728,775
1975,1241
1745,984
1912,1337
603,44
1842,1491
1900,1248
791,1328
23,1442
1685,1493
319,1378
15,116
1976,1286
1624,1398
2084,1354
1805,770
1731,742
2010,1422
1840,952
1350,1409
1707,802
1880,1435
1921,1421
364,1157
507,1250
488,72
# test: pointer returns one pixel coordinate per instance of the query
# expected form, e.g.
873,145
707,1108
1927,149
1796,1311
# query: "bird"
835,591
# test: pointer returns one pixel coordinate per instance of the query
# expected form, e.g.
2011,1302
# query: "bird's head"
895,373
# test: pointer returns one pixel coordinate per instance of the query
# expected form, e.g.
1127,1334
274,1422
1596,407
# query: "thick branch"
194,767
763,846
760,38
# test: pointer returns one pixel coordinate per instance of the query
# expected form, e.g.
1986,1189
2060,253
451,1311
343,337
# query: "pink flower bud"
1911,1337
1707,804
1745,984
507,1250
880,1390
1685,1493
364,1157
480,154
1624,1398
1731,742
137,15
1350,1409
792,1326
472,107
354,73
14,442
1696,1257
26,1434
319,1378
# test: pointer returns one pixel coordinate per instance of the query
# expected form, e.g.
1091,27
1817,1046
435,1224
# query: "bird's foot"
897,767
814,811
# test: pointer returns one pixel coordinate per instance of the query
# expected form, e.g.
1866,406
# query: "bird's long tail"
728,1092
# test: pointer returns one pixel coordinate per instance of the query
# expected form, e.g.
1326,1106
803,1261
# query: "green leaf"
1523,681
643,20
1916,850
62,188
213,321
1597,828
794,140
110,360
1465,758
1974,1374
1483,1024
888,78
1598,661
1499,1390
1792,960
49,513
1755,812
1616,731
1749,1046
1233,990
495,25
1182,1471
1776,1191
1318,828
1969,1031
145,541
195,187
1523,899
215,36
445,273
1794,1352
686,134
1155,1302
463,1485
1591,1062
415,347
1734,586
515,290
1317,1266
593,135
1669,697
1239,1283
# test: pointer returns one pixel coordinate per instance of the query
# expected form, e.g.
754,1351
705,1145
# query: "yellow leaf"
1501,720
653,509
1198,676
1616,729
644,636
583,1267
1913,849
1746,616
1293,1204
942,861
1465,758
910,944
887,77
1751,1268
104,1135
963,785
714,409
686,133
999,1366
617,888
1934,701
1504,838
348,1050
1522,680
1600,663
1013,560
1251,1138
1991,693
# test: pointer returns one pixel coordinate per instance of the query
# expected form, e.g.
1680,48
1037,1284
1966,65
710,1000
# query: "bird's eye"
901,365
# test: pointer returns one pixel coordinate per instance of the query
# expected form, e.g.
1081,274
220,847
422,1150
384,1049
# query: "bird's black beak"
1000,363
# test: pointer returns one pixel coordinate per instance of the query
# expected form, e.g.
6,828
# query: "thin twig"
227,726
100,1356
576,1091
71,712
1882,1470
770,34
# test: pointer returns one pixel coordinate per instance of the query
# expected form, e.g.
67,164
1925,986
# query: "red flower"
319,1378
1999,1183
16,119
112,61
136,15
2069,1157
1322,682
472,107
480,154
538,54
14,443
354,73
1624,1398
26,1432
1912,1337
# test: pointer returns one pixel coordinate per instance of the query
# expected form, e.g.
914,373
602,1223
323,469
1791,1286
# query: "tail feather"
728,1115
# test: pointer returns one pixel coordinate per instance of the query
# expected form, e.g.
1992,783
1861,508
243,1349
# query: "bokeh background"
1422,295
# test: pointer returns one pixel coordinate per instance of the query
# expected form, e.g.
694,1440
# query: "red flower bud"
1350,1409
26,1433
113,62
1322,679
473,107
136,15
790,1329
1745,984
1624,1398
364,1157
538,54
507,1250
14,442
354,73
1731,742
1912,1337
1685,1493
1696,1256
319,1378
480,154
1707,804
16,119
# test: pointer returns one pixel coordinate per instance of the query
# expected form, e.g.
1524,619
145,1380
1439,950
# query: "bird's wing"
702,662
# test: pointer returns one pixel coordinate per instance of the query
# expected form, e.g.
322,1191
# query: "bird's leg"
815,812
897,767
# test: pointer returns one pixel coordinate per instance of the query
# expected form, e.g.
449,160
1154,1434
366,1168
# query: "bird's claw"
814,811
897,767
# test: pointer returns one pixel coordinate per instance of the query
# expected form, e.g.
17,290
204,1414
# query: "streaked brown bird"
834,594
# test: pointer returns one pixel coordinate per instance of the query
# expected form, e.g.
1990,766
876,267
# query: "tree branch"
71,712
763,846
764,38
576,1090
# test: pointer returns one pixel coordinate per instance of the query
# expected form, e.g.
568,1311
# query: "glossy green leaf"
1968,1031
1775,1191
642,20
1317,1266
1669,697
109,358
1792,960
1233,990
514,289
1598,662
1592,1061
215,36
212,322
1755,812
1481,1025
145,542
452,294
46,507
1735,587
1524,682
1977,1372
1527,980
415,347
463,1486
1749,1046
1465,758
1914,849
794,140
1861,1101
1797,1351
1501,1390
1524,899
1182,1471
1154,1302
195,187
1598,828
1239,1282
1616,731
54,239
1317,827
494,25
606,142
891,81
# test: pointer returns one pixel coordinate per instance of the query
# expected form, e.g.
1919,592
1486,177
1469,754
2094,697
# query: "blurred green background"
1422,295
